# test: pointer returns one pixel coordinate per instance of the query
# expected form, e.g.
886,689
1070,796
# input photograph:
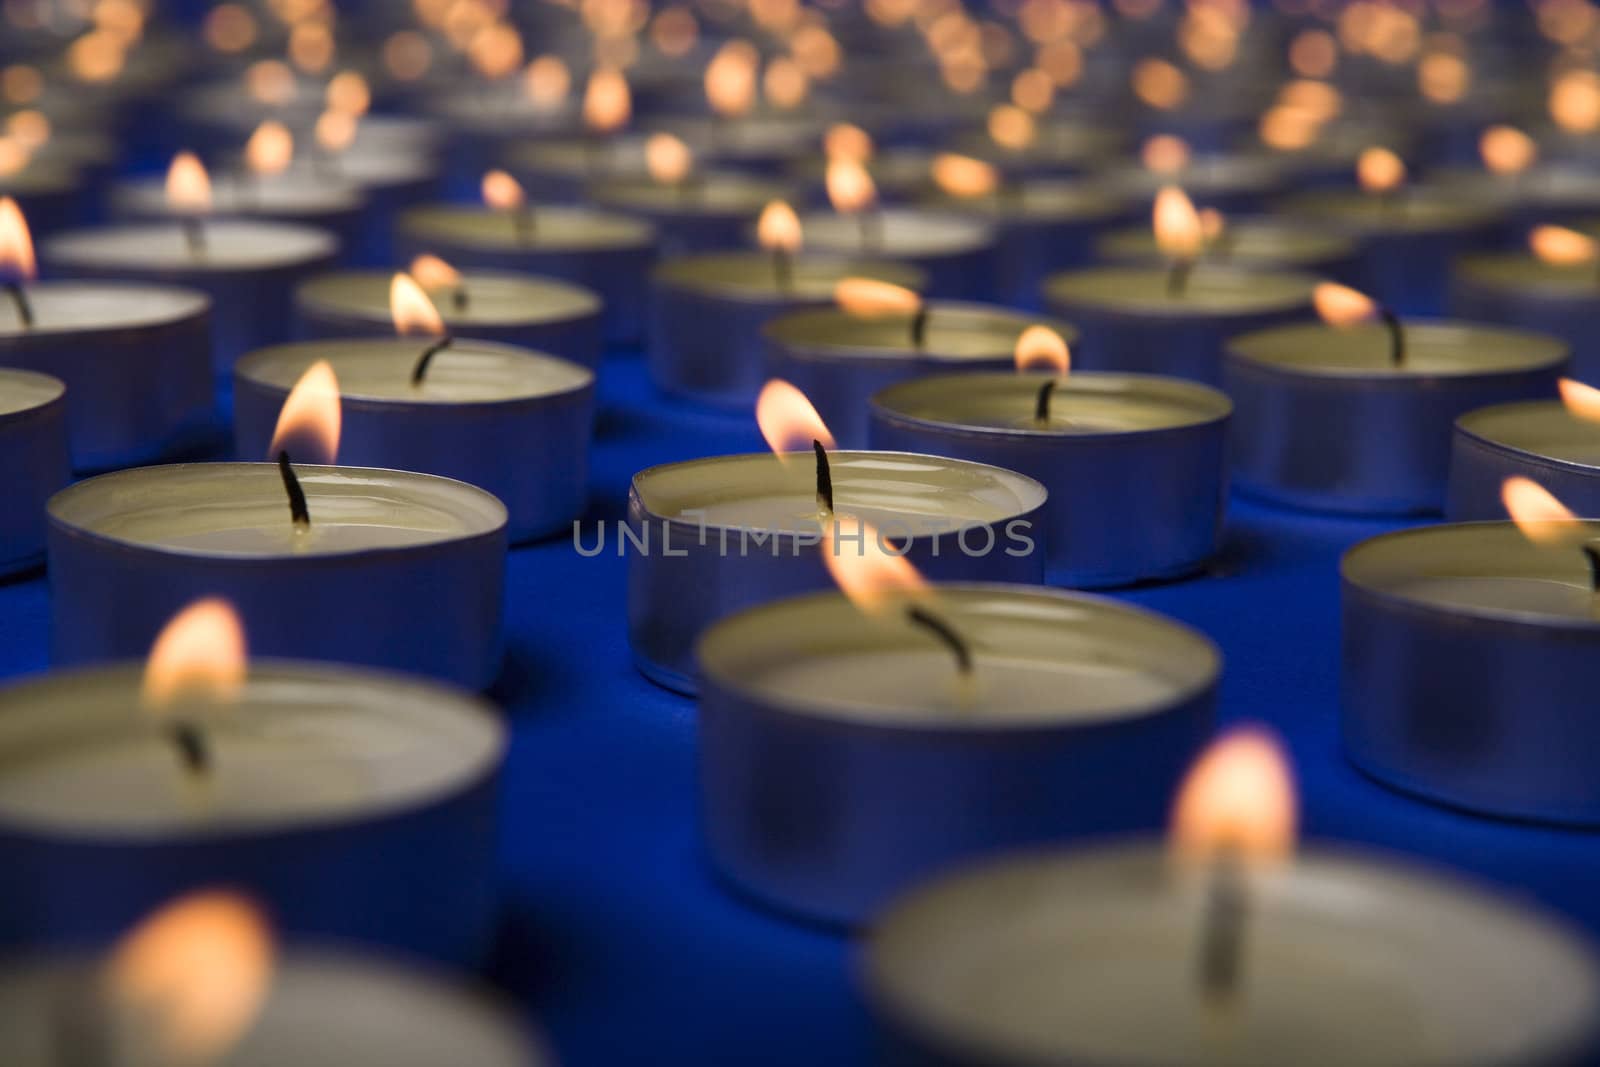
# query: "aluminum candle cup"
1136,466
1562,194
1407,240
517,309
840,761
295,197
1089,958
128,550
730,532
1471,657
136,360
704,213
354,804
1253,243
1518,290
33,444
958,254
249,269
1325,420
605,253
1130,321
505,419
1537,439
707,313
322,1010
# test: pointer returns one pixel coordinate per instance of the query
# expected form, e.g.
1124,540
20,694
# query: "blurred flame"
30,128
16,243
1563,247
311,417
607,100
667,158
1177,224
845,141
788,421
1159,84
270,81
188,185
1288,129
1040,346
502,192
199,654
785,84
431,272
1238,798
1542,518
963,176
1011,127
778,229
868,298
1574,101
1341,306
730,80
270,149
1379,170
547,82
410,308
868,572
1213,224
1443,77
1507,150
196,972
335,130
1583,401
1164,154
348,94
850,187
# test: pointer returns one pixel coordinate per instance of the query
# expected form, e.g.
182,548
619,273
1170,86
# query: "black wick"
194,234
783,270
1397,337
945,633
297,496
919,326
420,371
1222,936
192,748
19,297
1178,276
459,299
824,479
1592,554
524,222
1041,405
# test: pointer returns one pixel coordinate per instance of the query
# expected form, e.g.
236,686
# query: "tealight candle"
1358,416
559,169
1234,184
1554,290
955,252
608,254
1022,146
1250,242
517,309
1448,629
33,442
1556,443
843,755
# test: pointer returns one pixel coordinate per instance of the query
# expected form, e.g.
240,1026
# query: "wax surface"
1432,348
1521,271
1248,242
1407,211
1210,289
231,244
754,275
288,194
493,298
1039,198
1204,176
1542,427
896,232
24,390
951,330
87,307
466,372
554,227
720,193
1080,403
1534,596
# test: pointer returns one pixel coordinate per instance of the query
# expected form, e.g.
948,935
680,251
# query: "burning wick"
502,192
1342,307
1397,336
19,297
783,270
420,371
1180,235
1592,554
946,634
297,496
1222,933
824,479
919,326
1041,406
1178,276
194,234
190,741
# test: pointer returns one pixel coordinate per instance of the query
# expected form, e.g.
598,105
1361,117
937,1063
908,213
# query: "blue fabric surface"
618,939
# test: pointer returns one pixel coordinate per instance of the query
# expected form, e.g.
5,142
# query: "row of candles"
852,744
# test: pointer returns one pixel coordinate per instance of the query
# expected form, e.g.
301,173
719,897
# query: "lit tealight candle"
33,442
1556,442
714,536
299,549
281,778
1226,947
1356,414
1253,242
1232,183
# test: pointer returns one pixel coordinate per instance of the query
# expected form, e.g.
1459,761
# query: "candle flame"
1040,346
868,298
1238,798
1378,170
270,149
188,185
845,141
788,421
199,655
1288,128
1177,227
1542,518
1341,306
1574,101
1213,224
1012,127
850,187
410,308
1582,401
667,158
271,82
778,229
607,101
547,82
308,426
1507,150
1563,247
348,94
730,80
336,130
964,177
502,192
31,129
196,974
1160,84
871,573
785,84
431,272
16,243
1164,154
1443,77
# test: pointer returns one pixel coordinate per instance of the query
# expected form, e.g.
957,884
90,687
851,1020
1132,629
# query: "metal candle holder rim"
1238,349
430,222
78,247
706,655
53,393
1058,289
678,272
1465,428
536,287
781,328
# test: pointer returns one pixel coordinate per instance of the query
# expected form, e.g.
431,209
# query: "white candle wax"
1087,403
155,248
899,233
555,227
1208,290
751,276
494,300
1432,349
467,372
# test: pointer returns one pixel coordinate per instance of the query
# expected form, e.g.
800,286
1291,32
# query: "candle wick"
460,298
194,234
525,223
19,297
1041,405
1178,276
946,633
1592,554
193,749
1222,935
783,270
1397,337
919,327
297,495
824,479
420,371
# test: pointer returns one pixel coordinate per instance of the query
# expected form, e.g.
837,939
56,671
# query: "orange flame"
547,82
1341,306
963,176
1159,84
1012,127
845,141
1177,227
778,229
1164,154
270,81
431,272
188,185
872,574
1507,150
410,308
1443,77
1379,170
311,417
1538,514
1213,224
335,130
667,158
850,187
198,970
785,84
1563,247
1288,129
199,654
607,101
270,149
31,129
1238,798
868,298
1040,346
730,80
1583,401
1574,101
502,192
348,94
788,421
16,243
